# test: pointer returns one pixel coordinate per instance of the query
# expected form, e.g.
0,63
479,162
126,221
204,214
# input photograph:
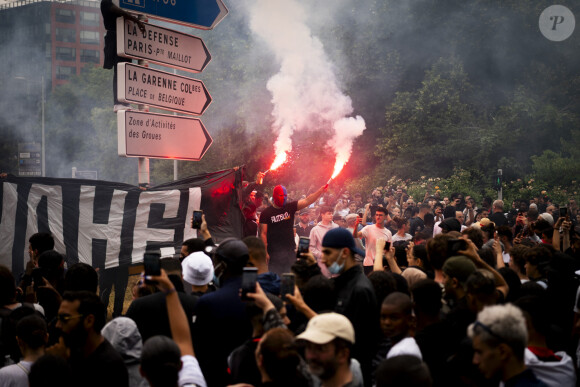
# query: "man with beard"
329,339
277,228
93,360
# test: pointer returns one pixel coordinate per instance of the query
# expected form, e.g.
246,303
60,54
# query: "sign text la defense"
142,85
161,45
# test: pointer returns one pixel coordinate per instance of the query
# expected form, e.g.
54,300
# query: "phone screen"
303,246
152,265
287,285
249,278
196,220
387,246
563,211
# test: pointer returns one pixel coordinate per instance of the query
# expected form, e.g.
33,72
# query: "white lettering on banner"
111,232
53,196
76,215
144,234
10,197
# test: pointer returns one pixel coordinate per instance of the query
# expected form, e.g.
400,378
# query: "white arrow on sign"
161,45
142,85
161,136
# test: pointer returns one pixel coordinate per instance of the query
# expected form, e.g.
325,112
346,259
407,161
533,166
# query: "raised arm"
303,203
177,318
471,252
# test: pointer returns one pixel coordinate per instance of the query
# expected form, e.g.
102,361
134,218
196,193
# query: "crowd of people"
391,291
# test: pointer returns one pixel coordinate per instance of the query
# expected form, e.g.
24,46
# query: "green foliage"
555,170
426,128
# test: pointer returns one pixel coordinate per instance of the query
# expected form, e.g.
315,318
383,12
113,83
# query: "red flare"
278,161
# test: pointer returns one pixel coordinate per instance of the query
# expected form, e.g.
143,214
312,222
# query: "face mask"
335,268
279,195
218,271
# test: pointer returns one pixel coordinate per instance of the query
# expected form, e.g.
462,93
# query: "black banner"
106,224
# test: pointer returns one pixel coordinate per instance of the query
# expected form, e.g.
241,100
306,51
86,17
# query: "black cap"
233,252
338,238
450,224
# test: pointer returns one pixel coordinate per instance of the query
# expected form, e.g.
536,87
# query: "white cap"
197,269
548,218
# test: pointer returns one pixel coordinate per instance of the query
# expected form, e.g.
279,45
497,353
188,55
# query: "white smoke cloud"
305,92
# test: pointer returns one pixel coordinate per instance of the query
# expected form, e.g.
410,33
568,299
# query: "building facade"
50,39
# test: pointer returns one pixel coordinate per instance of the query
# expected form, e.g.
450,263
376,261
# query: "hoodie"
124,336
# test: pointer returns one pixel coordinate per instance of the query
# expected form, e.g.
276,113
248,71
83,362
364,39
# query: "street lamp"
42,152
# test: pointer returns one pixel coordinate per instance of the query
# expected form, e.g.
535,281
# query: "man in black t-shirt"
93,360
277,228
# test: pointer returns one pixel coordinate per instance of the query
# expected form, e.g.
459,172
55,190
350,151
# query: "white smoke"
305,92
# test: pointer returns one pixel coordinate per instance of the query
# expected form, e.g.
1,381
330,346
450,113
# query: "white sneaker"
121,106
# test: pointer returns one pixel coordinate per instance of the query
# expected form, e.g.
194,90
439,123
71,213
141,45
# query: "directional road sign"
161,136
202,14
142,85
161,45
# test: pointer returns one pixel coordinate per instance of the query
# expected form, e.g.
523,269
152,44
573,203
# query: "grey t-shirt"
15,375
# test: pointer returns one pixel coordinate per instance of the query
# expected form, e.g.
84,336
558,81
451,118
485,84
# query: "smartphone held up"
303,246
152,264
197,219
287,284
249,279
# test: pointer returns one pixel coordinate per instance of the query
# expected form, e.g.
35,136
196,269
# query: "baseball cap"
350,217
325,327
459,267
304,211
197,269
338,238
233,252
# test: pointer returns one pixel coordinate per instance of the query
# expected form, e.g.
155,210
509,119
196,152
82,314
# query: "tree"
427,131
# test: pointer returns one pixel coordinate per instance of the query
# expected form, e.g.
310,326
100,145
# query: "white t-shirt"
371,233
190,374
407,346
397,237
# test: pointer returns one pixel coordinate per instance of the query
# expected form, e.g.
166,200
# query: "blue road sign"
202,14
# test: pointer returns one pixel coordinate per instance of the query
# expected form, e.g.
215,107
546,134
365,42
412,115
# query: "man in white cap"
329,339
198,272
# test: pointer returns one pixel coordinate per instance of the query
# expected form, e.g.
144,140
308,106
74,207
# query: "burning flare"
339,164
279,160
345,131
306,82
